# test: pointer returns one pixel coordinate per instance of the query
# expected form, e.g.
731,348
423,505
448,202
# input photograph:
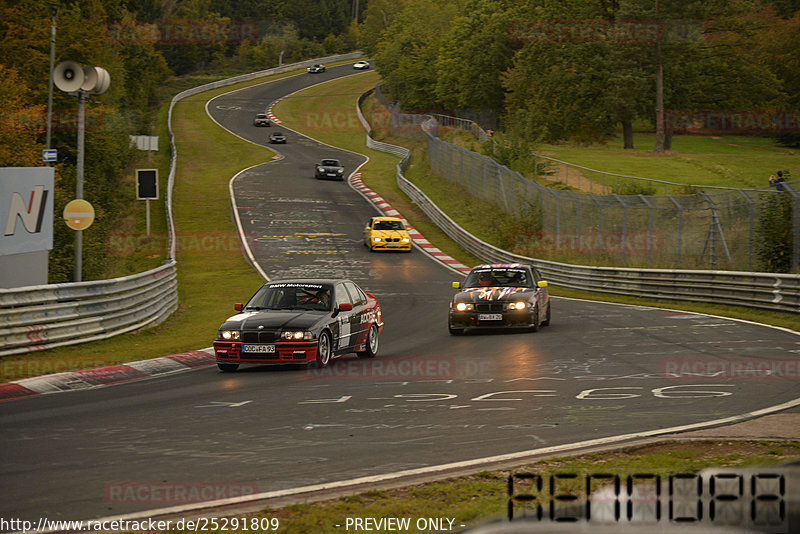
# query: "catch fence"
705,228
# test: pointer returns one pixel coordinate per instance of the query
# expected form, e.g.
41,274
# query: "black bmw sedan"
300,321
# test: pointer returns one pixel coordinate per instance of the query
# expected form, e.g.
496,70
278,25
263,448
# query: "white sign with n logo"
26,209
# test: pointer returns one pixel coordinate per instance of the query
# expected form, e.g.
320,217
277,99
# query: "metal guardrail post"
795,227
680,227
751,228
650,209
624,221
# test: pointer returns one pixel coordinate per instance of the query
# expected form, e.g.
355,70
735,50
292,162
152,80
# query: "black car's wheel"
371,349
454,331
228,367
546,321
324,349
535,319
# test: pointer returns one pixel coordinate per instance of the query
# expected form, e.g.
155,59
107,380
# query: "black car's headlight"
339,171
296,335
229,335
464,306
519,305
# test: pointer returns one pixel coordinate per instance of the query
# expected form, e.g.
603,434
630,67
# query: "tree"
475,51
407,54
378,16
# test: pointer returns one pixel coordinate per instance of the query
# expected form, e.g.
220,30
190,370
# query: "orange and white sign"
79,214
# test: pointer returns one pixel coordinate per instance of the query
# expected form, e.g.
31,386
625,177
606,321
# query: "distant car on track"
261,120
277,137
300,321
361,65
314,69
386,233
329,168
510,295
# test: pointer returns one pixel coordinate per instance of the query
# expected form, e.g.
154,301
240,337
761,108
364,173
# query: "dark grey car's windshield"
498,278
288,296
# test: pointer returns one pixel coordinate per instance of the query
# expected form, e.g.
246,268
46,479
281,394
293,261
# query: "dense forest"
142,44
579,69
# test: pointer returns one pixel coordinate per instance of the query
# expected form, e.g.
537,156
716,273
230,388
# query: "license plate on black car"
259,348
490,317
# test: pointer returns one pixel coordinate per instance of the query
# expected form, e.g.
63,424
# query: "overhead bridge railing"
36,318
41,317
768,291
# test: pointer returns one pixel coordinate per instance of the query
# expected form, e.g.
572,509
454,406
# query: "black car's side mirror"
344,306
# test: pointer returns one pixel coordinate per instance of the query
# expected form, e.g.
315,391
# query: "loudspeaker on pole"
68,76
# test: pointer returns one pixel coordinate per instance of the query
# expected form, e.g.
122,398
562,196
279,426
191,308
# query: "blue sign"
50,154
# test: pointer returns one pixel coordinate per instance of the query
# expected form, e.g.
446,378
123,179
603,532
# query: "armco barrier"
36,318
41,317
769,291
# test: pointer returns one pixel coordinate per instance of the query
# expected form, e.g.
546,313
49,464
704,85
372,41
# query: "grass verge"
727,161
482,497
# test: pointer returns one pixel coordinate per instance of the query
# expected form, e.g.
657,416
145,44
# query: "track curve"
600,370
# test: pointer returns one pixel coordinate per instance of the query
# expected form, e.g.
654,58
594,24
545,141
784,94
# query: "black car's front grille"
489,307
258,337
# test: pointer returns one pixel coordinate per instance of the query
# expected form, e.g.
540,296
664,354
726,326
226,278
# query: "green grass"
728,161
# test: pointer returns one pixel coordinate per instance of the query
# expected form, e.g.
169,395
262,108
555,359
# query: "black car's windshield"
498,277
389,225
290,296
330,163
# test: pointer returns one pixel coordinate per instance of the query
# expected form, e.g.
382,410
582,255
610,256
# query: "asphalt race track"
600,370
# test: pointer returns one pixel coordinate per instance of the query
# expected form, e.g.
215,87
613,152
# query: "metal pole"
54,12
79,183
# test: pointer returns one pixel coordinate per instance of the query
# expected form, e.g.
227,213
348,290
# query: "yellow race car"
386,233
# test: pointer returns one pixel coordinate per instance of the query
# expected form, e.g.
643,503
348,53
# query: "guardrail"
36,318
769,291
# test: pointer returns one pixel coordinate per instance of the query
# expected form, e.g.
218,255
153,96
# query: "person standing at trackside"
777,182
